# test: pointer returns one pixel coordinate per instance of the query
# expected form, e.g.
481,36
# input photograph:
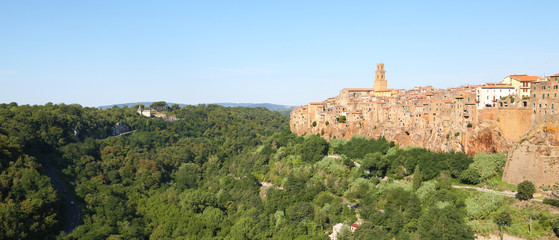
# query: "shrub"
470,125
525,190
483,204
503,219
487,165
342,119
552,202
470,176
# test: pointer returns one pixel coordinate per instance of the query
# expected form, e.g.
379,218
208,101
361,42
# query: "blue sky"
285,52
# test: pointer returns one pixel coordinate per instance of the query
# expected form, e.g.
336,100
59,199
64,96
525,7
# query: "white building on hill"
490,93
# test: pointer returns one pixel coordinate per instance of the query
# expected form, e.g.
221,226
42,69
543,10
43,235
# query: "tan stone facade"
380,78
523,123
438,119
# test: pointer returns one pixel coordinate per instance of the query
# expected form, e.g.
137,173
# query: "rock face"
120,128
489,136
536,158
446,120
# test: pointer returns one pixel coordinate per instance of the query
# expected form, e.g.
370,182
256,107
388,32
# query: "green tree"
470,176
187,176
300,211
314,149
525,190
159,106
443,223
417,178
503,219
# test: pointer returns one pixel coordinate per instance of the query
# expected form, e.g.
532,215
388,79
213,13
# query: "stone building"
522,83
490,93
440,112
380,78
143,112
544,98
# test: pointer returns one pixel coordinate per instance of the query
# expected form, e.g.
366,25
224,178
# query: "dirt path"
338,156
503,193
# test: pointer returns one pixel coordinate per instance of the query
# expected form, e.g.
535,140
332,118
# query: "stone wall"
514,123
536,163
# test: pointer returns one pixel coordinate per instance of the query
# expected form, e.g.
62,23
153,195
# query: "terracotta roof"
384,90
316,103
497,86
517,75
359,89
525,78
555,75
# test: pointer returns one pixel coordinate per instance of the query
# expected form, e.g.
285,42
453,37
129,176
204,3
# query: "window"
534,88
543,96
534,95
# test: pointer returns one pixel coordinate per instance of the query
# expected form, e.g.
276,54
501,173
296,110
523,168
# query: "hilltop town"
486,118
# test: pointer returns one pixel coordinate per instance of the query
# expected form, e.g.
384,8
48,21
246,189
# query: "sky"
97,53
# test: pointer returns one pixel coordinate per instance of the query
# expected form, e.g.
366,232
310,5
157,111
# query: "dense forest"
235,173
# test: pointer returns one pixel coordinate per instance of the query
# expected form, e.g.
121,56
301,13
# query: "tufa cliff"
516,116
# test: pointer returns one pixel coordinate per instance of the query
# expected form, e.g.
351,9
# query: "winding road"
72,211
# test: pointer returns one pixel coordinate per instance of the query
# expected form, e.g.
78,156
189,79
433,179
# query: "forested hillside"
233,173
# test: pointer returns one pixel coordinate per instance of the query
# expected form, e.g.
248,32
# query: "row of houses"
428,106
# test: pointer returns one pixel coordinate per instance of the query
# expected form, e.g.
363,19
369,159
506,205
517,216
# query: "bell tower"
380,80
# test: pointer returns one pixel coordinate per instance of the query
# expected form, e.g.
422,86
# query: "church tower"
380,80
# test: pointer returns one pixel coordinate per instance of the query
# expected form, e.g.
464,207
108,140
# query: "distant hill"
120,105
273,107
270,106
